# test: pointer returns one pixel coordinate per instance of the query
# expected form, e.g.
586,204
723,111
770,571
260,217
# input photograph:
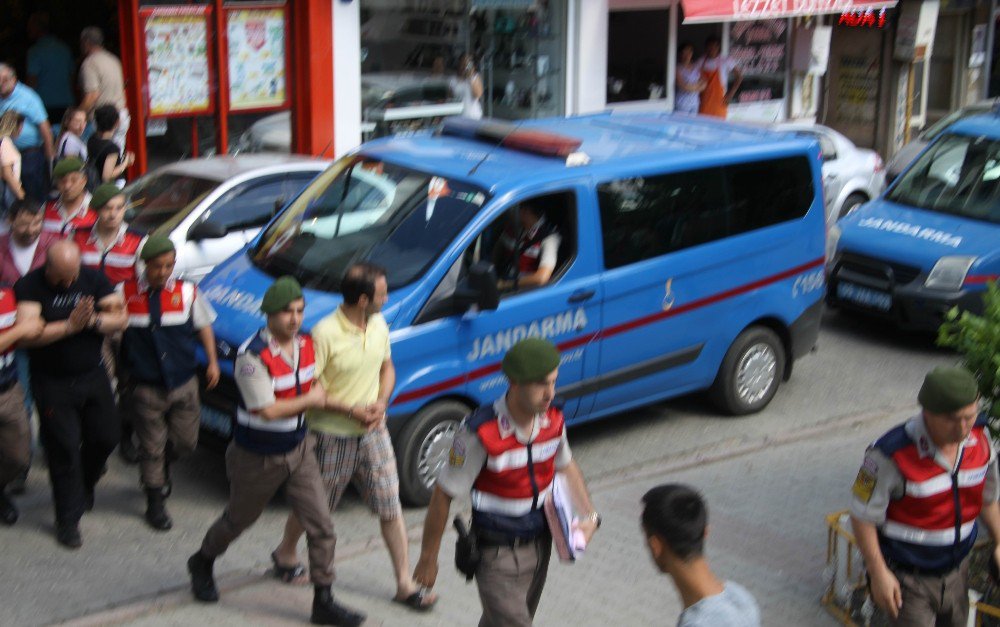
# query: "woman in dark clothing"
106,161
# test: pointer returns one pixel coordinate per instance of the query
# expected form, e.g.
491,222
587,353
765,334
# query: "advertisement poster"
177,61
758,49
257,64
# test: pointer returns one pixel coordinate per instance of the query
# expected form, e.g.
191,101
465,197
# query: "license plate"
864,296
216,421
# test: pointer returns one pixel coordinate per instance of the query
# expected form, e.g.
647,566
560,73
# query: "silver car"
851,176
210,208
909,151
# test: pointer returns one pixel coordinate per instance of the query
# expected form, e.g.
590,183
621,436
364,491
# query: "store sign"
724,10
176,61
864,19
256,41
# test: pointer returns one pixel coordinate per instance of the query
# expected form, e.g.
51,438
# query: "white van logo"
234,299
547,327
913,230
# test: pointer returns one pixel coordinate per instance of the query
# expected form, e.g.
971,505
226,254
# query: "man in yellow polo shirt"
354,366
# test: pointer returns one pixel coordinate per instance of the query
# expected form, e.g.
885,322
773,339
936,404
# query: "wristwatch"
595,518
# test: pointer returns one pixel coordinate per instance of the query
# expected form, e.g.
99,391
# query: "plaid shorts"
367,461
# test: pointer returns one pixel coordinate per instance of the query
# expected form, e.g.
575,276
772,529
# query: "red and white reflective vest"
921,529
53,221
8,315
529,247
117,262
517,478
276,436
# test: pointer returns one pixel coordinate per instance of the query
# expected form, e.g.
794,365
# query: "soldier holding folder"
507,454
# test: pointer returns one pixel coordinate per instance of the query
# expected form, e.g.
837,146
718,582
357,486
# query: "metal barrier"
846,595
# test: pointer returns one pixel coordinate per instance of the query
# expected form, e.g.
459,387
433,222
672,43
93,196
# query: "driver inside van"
532,255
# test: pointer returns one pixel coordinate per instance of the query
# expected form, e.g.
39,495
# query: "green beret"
67,165
282,292
530,360
103,194
155,246
947,389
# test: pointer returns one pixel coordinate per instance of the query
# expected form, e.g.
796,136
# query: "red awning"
728,10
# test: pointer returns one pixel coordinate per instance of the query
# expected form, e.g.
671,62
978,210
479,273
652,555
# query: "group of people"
707,85
92,130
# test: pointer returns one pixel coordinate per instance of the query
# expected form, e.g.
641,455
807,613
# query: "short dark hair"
105,117
24,205
713,39
359,279
676,514
685,44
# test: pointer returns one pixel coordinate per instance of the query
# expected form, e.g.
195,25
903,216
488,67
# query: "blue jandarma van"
692,258
932,240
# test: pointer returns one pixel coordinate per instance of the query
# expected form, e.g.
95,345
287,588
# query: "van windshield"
958,175
363,209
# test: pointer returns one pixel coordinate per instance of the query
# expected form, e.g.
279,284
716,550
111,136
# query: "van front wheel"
750,373
423,449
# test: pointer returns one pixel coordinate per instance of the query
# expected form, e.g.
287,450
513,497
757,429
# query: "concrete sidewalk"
767,502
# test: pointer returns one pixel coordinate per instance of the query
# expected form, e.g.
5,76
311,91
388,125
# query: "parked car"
212,207
851,176
390,102
909,151
932,241
691,258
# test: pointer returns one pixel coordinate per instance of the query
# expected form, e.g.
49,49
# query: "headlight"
832,238
949,273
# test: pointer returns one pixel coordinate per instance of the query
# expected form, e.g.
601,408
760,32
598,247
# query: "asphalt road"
860,368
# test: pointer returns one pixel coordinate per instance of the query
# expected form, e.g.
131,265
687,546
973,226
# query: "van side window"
523,240
645,217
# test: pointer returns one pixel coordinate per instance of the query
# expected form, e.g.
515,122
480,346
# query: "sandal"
287,574
418,600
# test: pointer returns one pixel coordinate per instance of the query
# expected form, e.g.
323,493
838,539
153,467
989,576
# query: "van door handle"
581,295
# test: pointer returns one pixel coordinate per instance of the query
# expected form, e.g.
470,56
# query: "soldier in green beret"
71,210
506,454
916,501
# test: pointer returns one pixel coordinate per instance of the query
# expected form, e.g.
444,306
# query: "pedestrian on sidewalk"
76,409
107,160
71,143
916,501
507,454
354,365
167,319
271,448
109,246
71,209
102,81
675,520
716,69
35,141
50,67
15,431
11,189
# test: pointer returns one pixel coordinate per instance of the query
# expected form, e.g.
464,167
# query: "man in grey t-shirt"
675,520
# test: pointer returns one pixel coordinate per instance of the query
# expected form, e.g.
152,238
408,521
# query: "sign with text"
725,10
258,63
177,64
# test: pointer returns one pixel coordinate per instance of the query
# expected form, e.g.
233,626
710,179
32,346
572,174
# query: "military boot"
156,511
326,611
202,579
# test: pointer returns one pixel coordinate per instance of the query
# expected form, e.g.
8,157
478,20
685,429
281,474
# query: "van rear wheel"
423,449
750,373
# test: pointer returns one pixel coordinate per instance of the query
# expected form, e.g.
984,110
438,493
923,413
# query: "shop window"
637,55
758,49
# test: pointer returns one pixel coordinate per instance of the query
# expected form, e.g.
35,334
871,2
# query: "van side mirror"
207,229
479,288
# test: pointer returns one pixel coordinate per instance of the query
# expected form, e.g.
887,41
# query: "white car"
210,208
851,176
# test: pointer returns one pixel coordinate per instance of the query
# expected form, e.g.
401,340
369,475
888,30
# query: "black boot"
202,581
156,511
326,611
8,511
68,535
126,448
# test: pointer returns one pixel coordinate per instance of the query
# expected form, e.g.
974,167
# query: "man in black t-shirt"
78,425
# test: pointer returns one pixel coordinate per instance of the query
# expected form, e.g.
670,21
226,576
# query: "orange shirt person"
715,70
